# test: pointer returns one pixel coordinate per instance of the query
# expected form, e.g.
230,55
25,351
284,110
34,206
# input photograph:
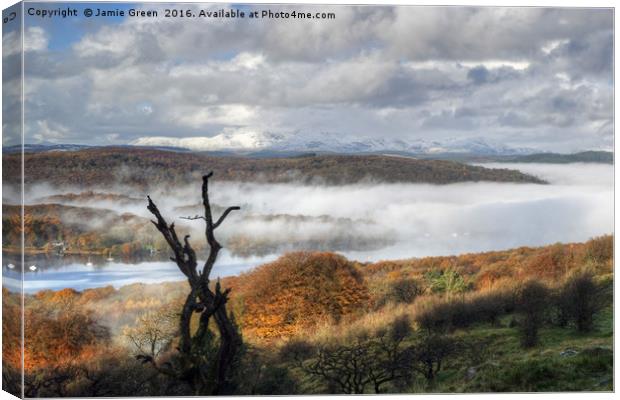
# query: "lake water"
83,275
422,220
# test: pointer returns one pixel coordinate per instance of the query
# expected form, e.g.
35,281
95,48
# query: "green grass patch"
563,360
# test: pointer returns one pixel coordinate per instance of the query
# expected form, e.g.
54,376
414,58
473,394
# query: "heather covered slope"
146,168
302,279
293,310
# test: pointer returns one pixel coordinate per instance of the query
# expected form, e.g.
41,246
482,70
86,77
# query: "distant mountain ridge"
331,143
602,157
464,150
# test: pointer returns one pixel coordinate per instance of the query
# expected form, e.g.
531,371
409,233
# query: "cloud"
397,72
35,39
478,74
49,132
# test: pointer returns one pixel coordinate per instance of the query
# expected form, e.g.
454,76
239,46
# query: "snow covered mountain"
330,142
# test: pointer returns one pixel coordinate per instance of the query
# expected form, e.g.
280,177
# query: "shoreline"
234,274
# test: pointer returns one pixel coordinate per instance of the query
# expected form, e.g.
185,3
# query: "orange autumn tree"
58,330
299,290
11,329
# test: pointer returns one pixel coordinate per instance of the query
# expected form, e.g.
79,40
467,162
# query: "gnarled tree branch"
223,217
201,299
195,217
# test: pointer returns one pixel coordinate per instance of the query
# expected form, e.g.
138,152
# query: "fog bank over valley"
414,219
364,222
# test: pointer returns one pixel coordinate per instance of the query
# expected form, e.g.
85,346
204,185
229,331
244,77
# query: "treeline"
73,229
319,323
142,168
55,228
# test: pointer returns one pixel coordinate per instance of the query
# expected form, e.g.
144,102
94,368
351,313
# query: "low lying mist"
381,221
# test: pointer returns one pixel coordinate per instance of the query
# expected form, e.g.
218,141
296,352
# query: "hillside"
148,168
306,306
384,282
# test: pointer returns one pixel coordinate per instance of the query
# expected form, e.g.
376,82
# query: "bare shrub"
365,361
531,302
577,301
430,352
446,315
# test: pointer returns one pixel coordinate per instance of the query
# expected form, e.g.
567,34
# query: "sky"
537,78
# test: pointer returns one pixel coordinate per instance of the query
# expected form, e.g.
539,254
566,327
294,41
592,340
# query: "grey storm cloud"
511,74
478,74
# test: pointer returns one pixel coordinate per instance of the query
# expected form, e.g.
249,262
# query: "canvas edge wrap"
12,132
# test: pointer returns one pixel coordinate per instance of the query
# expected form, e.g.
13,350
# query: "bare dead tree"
431,351
206,373
364,361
